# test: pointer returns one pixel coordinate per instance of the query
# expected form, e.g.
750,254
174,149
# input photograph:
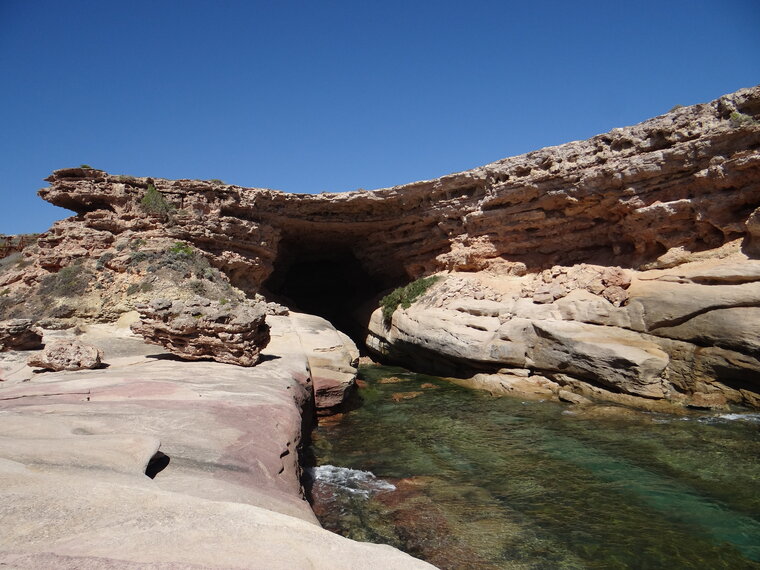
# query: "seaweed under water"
466,480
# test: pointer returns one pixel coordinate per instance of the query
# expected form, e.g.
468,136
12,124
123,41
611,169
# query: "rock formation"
679,332
84,484
623,263
201,329
19,334
67,355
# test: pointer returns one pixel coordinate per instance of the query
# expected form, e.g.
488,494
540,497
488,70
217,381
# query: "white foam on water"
753,417
354,481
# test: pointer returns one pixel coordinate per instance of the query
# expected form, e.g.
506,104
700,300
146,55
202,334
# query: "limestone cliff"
571,234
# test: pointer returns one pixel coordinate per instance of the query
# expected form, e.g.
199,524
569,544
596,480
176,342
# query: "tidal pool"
466,480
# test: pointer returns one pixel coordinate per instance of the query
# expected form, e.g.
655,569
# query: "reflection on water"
465,480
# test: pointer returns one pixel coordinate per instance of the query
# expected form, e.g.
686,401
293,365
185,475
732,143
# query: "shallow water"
466,480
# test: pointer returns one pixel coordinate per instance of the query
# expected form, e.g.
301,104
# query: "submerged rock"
202,329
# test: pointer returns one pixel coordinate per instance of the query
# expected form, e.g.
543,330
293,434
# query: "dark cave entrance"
326,279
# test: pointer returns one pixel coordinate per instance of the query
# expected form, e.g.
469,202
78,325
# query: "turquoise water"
466,480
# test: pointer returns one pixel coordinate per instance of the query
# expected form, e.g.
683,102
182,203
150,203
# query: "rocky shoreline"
624,268
221,443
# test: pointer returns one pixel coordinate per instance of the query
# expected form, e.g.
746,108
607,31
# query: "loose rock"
202,329
67,355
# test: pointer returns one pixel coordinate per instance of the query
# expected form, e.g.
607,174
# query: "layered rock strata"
686,181
576,228
670,334
19,334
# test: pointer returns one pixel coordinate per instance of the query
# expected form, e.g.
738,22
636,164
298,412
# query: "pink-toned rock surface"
74,448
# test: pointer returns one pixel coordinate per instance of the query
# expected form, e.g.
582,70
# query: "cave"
325,277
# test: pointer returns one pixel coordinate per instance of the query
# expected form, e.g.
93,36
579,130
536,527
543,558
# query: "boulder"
201,329
67,355
19,334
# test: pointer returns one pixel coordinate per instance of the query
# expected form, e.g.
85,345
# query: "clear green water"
484,482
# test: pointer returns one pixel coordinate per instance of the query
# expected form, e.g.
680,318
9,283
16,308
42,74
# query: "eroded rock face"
689,334
203,329
568,241
19,334
688,179
67,355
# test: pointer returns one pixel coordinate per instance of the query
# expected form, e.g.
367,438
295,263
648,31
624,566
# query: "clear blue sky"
334,96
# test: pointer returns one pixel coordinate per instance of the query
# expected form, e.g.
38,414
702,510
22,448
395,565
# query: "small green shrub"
405,296
741,119
133,288
154,203
182,249
86,166
136,244
137,257
216,181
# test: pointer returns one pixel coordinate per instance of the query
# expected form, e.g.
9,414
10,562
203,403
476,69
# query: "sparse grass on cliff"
405,296
740,119
154,203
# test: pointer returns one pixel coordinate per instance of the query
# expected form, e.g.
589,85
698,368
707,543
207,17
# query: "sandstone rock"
520,385
74,450
711,401
613,357
601,200
332,359
562,233
67,355
401,396
573,398
19,334
202,329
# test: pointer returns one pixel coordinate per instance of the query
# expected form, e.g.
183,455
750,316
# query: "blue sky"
334,96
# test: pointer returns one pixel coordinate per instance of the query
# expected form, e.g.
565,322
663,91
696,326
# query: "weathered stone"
712,401
202,329
613,357
332,358
19,334
573,398
67,355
